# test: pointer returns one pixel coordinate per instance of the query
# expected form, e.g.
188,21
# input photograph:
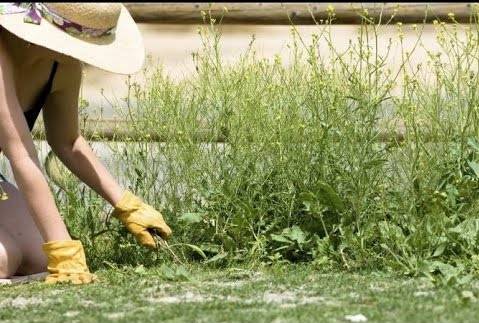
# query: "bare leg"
20,240
10,255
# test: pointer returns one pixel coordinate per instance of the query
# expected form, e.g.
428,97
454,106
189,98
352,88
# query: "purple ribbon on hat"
33,15
35,11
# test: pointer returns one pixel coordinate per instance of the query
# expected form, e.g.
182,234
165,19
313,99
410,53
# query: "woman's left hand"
139,218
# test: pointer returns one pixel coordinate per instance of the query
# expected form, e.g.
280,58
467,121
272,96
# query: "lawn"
288,293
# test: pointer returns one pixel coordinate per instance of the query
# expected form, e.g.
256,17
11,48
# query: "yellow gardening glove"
140,218
67,263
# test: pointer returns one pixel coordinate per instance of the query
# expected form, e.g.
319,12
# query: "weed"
267,162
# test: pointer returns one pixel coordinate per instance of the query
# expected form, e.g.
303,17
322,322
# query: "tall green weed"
264,161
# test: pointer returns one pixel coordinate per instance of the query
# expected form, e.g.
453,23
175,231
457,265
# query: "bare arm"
61,124
17,144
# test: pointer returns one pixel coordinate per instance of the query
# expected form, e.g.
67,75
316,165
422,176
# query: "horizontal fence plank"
300,13
119,131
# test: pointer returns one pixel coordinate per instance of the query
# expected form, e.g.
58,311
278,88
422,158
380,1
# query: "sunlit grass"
266,162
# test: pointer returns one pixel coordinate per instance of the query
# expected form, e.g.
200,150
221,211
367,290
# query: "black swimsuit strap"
32,114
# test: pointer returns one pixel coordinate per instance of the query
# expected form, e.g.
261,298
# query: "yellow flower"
450,15
435,22
330,8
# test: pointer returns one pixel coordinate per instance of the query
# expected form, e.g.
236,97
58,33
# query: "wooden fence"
118,130
264,13
299,13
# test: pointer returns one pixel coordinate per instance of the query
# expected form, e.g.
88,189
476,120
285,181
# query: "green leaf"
308,199
296,234
467,295
140,270
374,163
195,248
474,166
391,232
280,238
210,247
472,142
439,250
329,197
217,258
191,218
467,230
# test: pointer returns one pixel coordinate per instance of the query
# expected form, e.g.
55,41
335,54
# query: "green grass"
281,169
301,173
198,294
285,203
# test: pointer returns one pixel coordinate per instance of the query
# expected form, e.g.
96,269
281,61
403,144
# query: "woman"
42,47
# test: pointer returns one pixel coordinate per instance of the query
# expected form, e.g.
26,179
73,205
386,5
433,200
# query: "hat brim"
121,53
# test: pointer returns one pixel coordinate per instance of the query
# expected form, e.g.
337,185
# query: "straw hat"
101,34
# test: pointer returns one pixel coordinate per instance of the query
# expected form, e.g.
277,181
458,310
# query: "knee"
10,259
